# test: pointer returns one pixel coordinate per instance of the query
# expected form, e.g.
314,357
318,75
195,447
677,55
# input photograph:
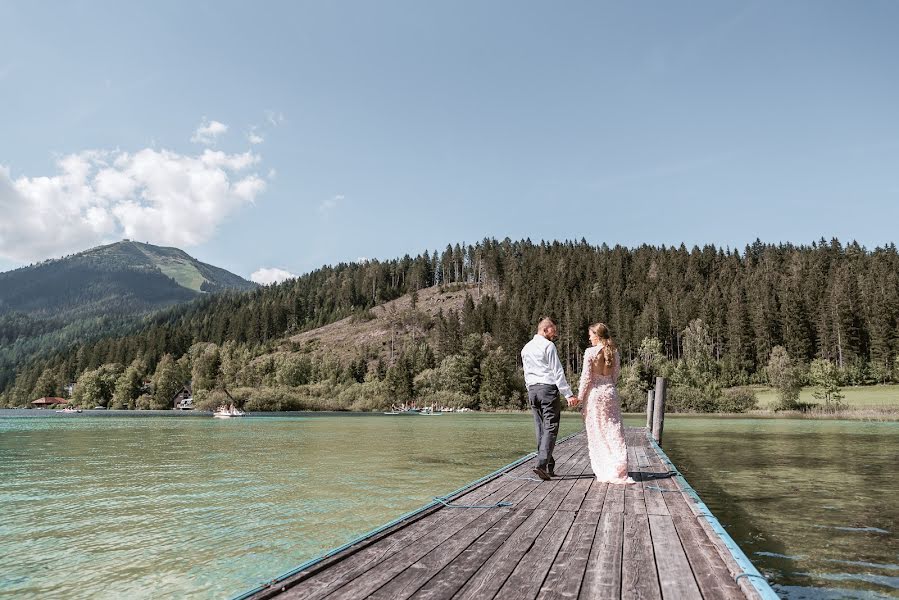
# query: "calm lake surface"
135,506
813,504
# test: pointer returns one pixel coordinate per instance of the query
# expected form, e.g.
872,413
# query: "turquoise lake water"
157,506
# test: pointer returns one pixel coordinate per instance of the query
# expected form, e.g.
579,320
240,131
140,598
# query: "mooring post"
658,413
650,404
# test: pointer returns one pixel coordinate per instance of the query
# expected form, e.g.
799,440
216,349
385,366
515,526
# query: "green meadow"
868,396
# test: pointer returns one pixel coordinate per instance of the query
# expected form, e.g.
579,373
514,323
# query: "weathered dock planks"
571,537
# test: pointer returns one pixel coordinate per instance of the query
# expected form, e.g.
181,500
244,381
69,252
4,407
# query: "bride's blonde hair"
601,330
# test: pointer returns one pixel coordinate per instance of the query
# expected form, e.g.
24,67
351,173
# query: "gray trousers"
547,408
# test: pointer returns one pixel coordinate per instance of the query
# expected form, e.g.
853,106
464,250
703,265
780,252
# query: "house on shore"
47,401
183,399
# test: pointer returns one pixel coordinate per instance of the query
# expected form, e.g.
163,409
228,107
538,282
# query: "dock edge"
749,578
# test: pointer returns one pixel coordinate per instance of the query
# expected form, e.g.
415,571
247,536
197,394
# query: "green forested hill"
97,292
709,318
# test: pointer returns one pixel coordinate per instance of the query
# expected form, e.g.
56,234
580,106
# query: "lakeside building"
48,401
183,400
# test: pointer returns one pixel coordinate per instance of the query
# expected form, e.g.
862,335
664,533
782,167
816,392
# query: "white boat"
402,410
69,410
226,412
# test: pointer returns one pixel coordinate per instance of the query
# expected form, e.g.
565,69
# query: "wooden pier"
513,536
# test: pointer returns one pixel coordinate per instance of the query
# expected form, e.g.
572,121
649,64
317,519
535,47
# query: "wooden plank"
578,492
448,581
674,498
374,578
654,498
712,575
633,499
493,573
614,501
602,577
639,580
633,493
642,459
409,579
348,566
596,495
526,579
567,572
387,569
561,487
652,494
675,577
533,500
523,480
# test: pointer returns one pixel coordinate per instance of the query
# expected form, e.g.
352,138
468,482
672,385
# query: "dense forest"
711,319
100,292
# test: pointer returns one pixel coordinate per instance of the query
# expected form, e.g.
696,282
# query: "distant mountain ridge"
102,291
121,278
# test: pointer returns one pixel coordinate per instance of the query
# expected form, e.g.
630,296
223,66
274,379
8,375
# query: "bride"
598,398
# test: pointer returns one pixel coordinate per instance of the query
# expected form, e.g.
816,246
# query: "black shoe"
541,473
551,471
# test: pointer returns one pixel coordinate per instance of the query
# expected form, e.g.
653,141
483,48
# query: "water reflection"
800,497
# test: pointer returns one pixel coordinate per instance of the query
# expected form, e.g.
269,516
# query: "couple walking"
597,395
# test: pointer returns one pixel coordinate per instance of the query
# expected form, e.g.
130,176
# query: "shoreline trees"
709,318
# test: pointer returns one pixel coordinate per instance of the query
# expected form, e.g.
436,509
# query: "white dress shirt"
541,365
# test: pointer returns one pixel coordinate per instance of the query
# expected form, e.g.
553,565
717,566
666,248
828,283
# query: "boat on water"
226,412
403,410
69,410
414,410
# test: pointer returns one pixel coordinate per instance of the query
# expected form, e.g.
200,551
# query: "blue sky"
385,128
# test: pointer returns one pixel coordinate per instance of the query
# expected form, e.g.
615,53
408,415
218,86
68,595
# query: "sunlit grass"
184,273
869,396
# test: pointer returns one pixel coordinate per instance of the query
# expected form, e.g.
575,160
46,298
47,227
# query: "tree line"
709,318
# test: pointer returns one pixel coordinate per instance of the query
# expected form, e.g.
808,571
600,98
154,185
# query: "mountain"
122,278
101,291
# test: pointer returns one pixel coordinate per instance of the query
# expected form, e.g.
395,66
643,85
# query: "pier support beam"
658,413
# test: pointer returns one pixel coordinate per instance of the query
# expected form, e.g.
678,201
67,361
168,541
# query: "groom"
545,380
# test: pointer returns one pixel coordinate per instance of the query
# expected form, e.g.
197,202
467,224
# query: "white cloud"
274,118
254,138
268,276
208,132
95,197
330,204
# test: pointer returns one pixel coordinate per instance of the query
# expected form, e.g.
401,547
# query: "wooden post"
650,404
658,413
